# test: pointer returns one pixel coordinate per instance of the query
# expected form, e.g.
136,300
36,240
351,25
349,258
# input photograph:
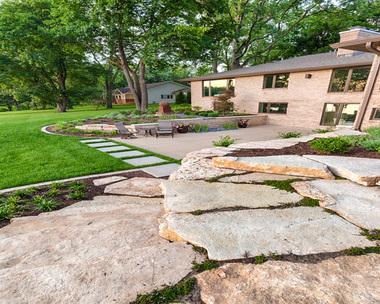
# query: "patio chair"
123,131
165,127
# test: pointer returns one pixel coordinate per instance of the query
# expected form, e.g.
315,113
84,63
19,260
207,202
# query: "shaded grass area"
29,156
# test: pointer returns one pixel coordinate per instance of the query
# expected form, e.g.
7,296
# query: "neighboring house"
336,88
158,91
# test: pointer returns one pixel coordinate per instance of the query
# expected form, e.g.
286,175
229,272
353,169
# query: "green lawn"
29,156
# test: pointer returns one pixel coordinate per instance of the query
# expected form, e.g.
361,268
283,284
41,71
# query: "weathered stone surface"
102,144
114,149
364,171
136,186
284,143
279,164
124,154
189,196
357,204
251,178
107,180
342,280
198,165
94,140
106,256
161,170
234,234
142,161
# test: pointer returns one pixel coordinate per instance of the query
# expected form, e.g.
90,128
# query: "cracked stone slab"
102,144
235,234
108,180
114,149
190,196
136,186
104,256
293,165
343,280
357,204
252,178
124,154
95,140
364,171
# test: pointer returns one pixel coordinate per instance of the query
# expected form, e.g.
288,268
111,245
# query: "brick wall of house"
305,97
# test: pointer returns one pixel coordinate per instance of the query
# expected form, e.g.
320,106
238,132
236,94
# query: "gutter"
370,84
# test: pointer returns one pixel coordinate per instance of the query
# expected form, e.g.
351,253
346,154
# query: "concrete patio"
182,144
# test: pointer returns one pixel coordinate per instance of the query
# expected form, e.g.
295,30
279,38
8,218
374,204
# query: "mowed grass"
29,156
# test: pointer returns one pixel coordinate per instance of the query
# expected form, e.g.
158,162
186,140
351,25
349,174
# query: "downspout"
370,84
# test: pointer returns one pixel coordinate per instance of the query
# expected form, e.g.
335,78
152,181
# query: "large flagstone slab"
237,234
358,204
94,140
161,170
136,186
102,144
251,178
293,165
142,161
342,280
189,196
114,149
364,171
104,256
124,154
108,180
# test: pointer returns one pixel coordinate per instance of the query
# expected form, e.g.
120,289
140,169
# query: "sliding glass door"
339,114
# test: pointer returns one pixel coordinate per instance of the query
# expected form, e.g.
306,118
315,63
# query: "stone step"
293,165
357,204
108,180
257,178
364,171
238,234
136,186
190,196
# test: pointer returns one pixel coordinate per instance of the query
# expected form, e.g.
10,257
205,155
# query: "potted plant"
182,128
243,123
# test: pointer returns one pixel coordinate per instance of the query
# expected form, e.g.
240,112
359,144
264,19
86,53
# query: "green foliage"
168,294
44,204
230,125
372,235
281,184
321,131
200,128
370,144
308,202
331,145
53,192
373,132
24,193
6,211
260,259
362,251
290,134
206,265
224,141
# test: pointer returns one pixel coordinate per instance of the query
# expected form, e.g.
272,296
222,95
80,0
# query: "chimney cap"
361,29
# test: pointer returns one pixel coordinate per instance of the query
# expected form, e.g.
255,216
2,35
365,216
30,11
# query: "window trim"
268,105
373,113
274,81
348,80
209,86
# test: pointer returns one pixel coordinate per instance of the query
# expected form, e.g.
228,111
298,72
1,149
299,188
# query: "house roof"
359,44
296,64
153,85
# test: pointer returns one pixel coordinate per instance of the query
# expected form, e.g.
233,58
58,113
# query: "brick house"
336,88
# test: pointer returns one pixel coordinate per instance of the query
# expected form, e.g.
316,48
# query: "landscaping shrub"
290,134
200,128
321,131
222,102
331,145
44,204
224,141
373,132
230,125
370,144
6,211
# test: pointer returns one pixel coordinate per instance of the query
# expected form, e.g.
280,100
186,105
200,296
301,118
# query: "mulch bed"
63,200
303,149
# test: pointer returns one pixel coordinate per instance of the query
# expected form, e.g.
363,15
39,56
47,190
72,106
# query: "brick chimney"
354,33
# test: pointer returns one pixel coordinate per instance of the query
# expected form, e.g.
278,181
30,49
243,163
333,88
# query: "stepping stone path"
107,253
142,161
102,144
162,170
114,149
108,180
358,204
238,234
96,140
137,186
190,196
364,171
126,154
343,280
282,164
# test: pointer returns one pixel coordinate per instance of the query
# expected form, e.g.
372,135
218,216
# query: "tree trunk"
63,99
235,60
127,74
143,89
62,103
108,87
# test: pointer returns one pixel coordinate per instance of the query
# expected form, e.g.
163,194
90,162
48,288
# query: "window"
273,108
276,81
339,114
349,79
375,114
166,96
218,87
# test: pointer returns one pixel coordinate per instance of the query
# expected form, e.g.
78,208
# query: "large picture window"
375,115
276,81
218,87
274,108
343,114
349,79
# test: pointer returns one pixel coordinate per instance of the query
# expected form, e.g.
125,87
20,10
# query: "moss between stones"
282,184
362,251
206,265
372,235
167,294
